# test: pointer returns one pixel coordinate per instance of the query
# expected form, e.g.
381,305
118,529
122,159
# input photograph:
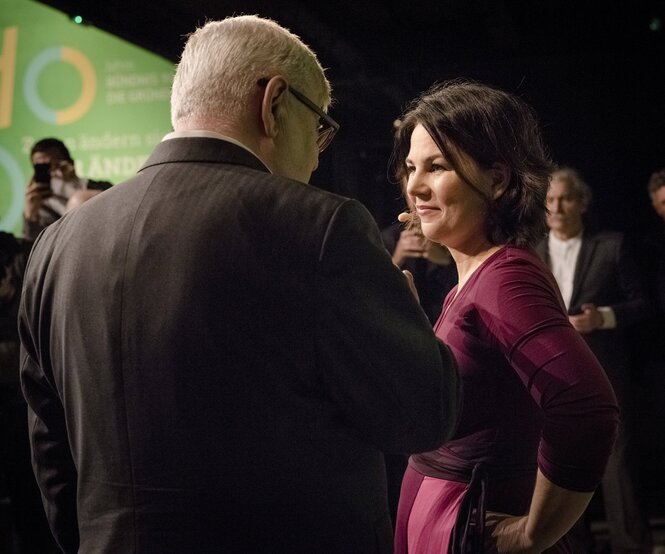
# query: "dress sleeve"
560,372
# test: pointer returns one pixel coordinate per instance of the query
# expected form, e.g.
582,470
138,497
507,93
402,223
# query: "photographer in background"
51,186
25,514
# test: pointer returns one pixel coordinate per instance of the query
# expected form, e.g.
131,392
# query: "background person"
602,290
46,201
431,265
222,371
655,240
539,416
649,338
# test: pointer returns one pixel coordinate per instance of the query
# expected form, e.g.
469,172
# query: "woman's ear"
272,105
500,174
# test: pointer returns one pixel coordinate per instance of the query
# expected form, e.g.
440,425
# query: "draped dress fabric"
534,397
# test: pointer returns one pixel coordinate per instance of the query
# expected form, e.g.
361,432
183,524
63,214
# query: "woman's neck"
470,259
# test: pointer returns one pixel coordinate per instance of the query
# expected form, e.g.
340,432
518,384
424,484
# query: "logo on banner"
35,68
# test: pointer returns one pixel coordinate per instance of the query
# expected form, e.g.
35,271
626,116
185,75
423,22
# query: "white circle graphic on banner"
10,219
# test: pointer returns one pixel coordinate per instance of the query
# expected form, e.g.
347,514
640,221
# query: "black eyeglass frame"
328,126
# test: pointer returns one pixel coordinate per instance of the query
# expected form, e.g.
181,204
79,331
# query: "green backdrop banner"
108,100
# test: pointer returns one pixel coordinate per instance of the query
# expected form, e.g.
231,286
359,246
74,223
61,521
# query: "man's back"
231,352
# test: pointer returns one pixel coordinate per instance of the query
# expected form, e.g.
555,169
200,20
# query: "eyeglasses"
328,127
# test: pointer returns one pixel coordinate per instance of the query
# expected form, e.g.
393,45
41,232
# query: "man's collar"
213,135
556,240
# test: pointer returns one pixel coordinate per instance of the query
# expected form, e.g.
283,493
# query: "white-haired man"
214,353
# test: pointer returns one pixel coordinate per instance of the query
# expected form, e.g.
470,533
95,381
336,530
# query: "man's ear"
500,174
272,105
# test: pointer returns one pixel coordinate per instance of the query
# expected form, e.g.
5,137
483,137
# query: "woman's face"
450,211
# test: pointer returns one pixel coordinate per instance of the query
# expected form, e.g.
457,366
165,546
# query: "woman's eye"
410,169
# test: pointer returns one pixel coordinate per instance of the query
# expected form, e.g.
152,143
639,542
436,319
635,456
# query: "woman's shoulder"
517,295
515,276
513,262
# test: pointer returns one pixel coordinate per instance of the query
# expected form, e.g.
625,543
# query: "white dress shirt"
563,262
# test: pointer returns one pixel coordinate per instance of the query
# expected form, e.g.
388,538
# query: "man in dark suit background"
214,353
601,287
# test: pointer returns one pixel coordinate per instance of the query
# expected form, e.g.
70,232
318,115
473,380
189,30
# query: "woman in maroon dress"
538,417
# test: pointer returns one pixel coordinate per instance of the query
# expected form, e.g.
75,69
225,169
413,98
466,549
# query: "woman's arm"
580,413
554,510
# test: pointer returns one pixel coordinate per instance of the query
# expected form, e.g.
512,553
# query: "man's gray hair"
222,61
579,185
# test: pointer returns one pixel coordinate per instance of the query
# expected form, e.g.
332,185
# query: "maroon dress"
534,397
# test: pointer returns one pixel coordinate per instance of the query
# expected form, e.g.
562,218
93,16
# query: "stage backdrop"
108,100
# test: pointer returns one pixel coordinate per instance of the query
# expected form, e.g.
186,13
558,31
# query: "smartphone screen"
42,174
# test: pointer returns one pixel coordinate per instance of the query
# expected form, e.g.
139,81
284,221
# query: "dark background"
594,71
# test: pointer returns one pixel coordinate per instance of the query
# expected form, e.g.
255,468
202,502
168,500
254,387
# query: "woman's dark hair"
490,126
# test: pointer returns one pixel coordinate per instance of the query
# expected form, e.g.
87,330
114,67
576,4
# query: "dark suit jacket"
214,359
607,275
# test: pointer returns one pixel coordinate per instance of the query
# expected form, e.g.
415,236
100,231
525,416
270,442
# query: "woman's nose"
415,184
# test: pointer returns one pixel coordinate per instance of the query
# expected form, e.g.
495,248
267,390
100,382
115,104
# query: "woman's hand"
554,510
505,534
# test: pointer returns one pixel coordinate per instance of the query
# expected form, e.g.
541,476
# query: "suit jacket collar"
202,150
587,249
589,244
